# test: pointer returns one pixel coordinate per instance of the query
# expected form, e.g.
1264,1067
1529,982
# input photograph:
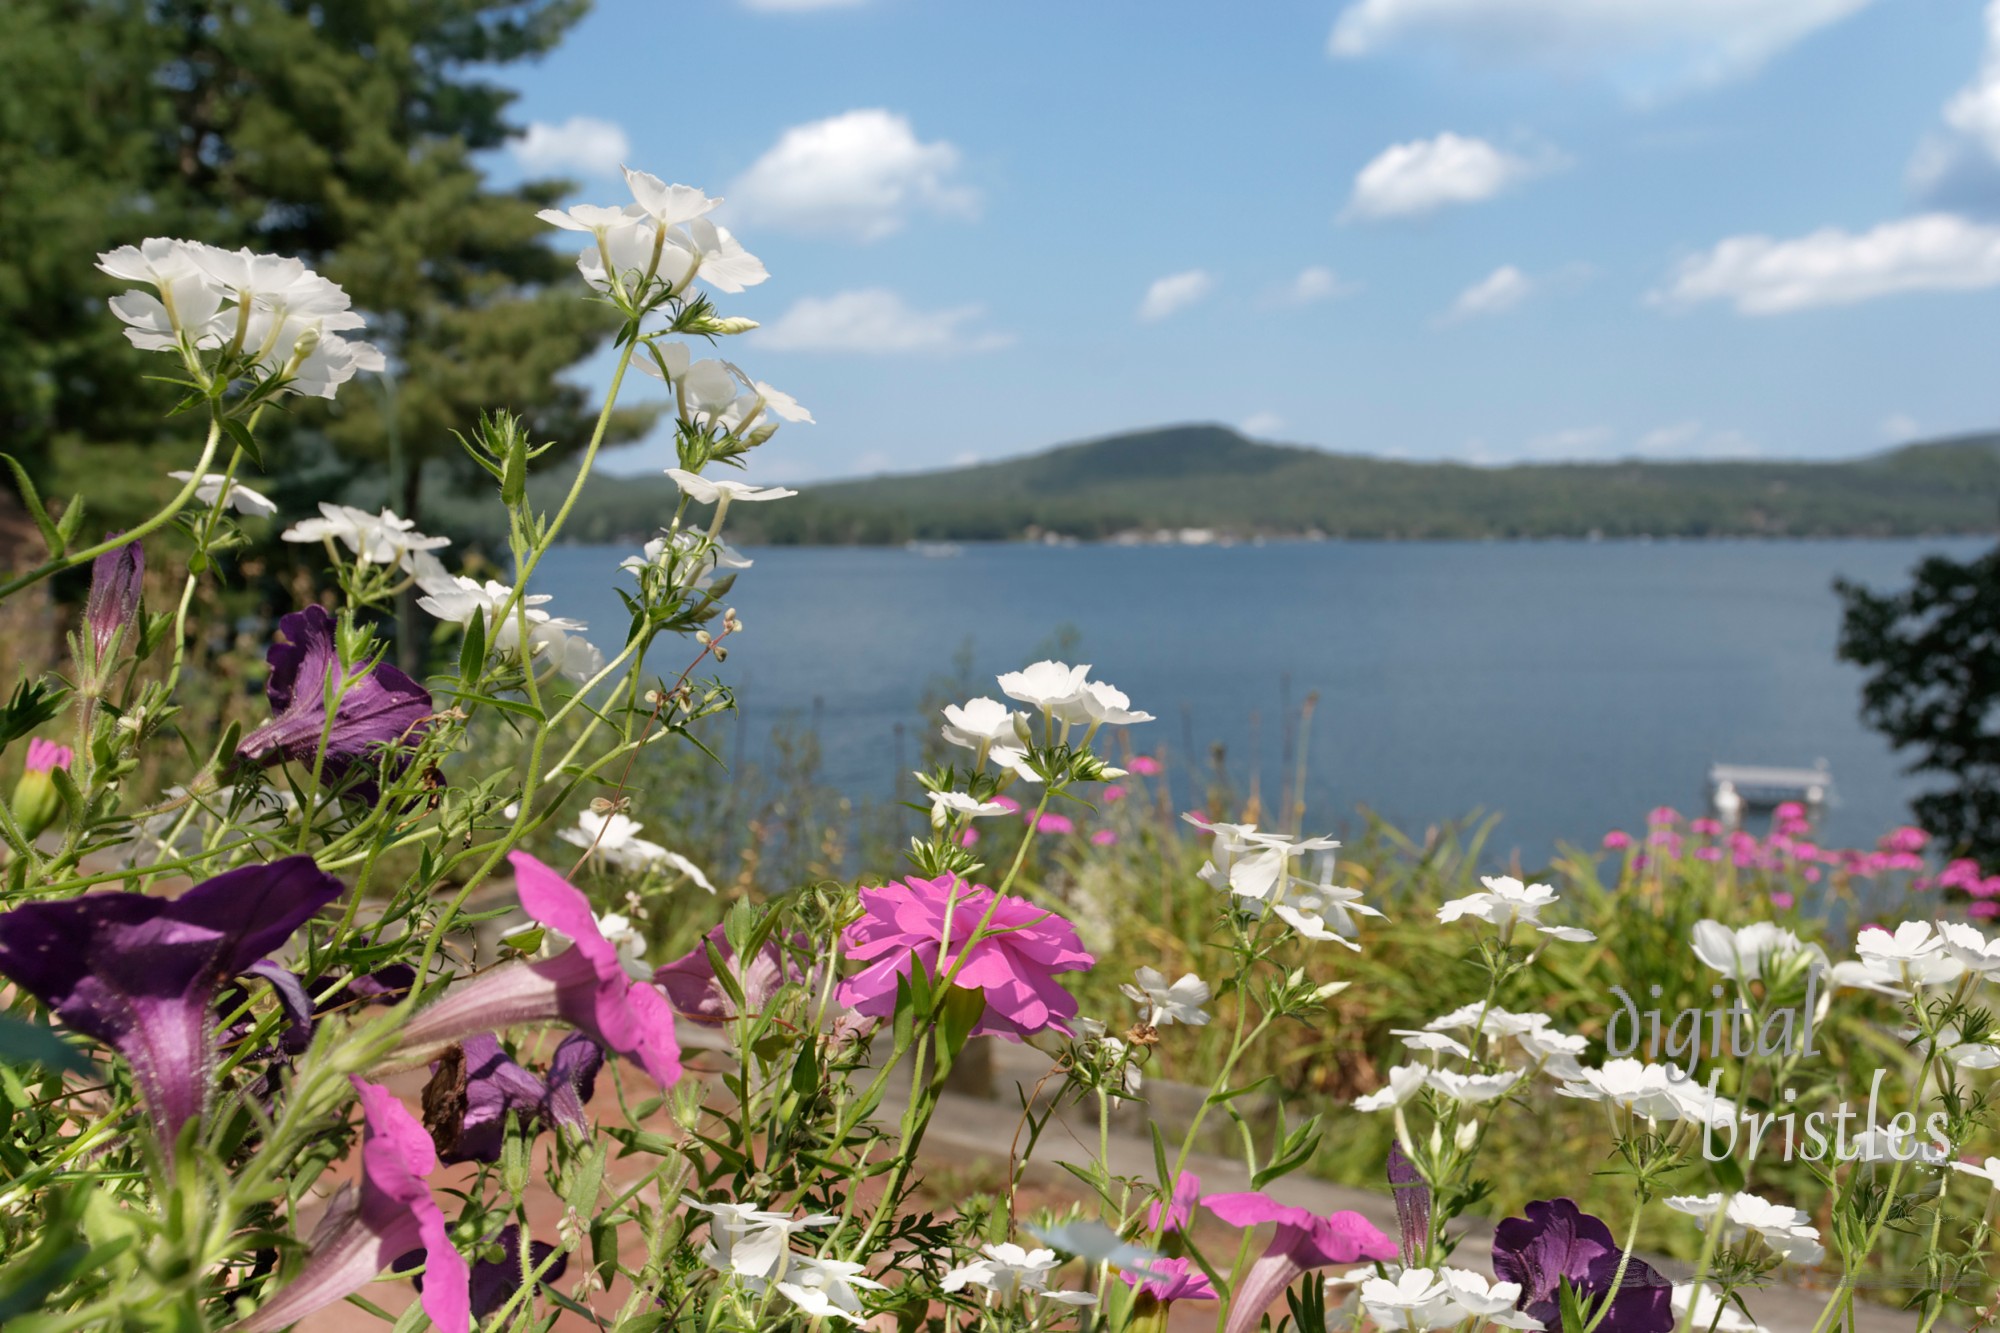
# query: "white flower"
947,803
1472,1089
1882,1144
669,218
1488,1020
1911,940
1785,1229
1975,1055
1726,1319
189,301
1415,1299
704,490
1914,956
1971,948
749,1242
1570,934
1045,685
1162,1005
1988,1170
1097,703
1745,953
693,559
241,498
1007,1270
1475,1296
1405,1082
615,837
668,205
1505,901
979,722
1258,866
593,217
1431,1041
825,1287
375,539
1554,1052
1652,1091
712,254
550,638
1322,910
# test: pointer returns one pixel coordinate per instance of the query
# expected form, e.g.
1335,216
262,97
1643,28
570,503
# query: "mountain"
1205,476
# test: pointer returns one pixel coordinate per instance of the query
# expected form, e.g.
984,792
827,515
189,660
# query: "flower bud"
731,324
36,802
1467,1136
115,583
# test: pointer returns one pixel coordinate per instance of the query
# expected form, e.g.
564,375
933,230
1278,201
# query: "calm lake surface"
1569,687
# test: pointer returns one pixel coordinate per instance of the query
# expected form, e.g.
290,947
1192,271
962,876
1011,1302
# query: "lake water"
1569,687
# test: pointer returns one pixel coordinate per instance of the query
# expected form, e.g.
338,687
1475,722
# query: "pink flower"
1114,793
968,836
45,755
697,994
1302,1242
1145,765
393,1214
1050,822
1007,801
1781,900
1177,1280
1180,1207
1617,841
1708,853
1014,965
1811,874
1668,841
585,986
1706,827
1791,827
1905,839
1960,874
1104,837
1982,910
1661,816
1789,810
1986,888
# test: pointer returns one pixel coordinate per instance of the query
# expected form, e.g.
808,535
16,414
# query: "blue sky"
1484,230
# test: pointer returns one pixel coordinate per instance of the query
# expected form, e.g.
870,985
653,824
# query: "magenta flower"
495,1085
1172,1280
1104,837
1708,853
691,986
36,802
1145,765
1781,900
1014,965
968,836
1302,1242
359,1238
585,986
1558,1240
1661,816
1617,841
1789,810
116,579
46,755
140,974
1179,1209
1706,827
377,705
1050,822
1114,793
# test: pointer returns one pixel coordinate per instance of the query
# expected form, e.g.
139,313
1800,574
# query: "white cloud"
860,174
1899,427
1174,293
1502,289
1647,47
1975,111
1680,441
1424,175
1692,439
872,462
966,459
1576,442
1959,167
1314,283
1762,276
582,144
1261,425
875,321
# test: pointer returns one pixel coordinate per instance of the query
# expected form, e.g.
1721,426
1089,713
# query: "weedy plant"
258,1062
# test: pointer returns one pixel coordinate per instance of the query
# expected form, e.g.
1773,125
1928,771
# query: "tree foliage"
1932,652
345,134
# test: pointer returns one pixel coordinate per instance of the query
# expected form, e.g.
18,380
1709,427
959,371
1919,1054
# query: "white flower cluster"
1066,694
1760,951
718,396
661,241
1423,1298
1507,901
1008,1272
1786,1230
754,1248
1063,694
615,839
555,640
1656,1092
373,539
277,314
1260,870
1517,1046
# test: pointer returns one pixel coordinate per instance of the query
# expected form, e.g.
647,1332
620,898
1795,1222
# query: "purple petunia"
1413,1206
1558,1240
495,1085
116,579
690,981
374,705
140,974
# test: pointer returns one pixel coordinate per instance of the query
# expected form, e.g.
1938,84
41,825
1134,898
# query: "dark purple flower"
116,579
472,1131
693,990
494,1281
377,704
360,1236
1302,1242
1413,1205
140,974
1558,1240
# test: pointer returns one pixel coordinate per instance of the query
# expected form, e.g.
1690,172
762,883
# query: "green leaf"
472,651
1728,1171
33,499
240,434
30,1043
